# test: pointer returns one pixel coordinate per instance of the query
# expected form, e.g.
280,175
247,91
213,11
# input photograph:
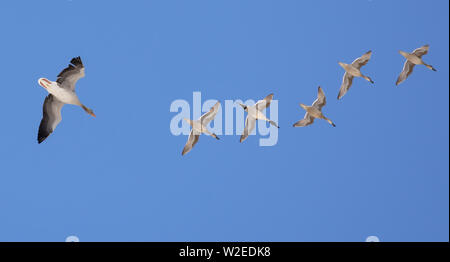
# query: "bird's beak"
243,106
44,82
92,114
341,64
402,53
303,106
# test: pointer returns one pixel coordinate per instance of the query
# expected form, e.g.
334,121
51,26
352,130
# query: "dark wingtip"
76,61
42,135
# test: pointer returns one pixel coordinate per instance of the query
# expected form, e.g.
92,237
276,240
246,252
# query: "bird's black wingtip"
42,136
76,61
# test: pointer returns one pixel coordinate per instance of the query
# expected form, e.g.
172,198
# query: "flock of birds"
63,92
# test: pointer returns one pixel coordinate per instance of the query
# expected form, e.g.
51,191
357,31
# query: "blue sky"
382,171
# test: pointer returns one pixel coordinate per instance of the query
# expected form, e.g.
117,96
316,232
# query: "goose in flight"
60,92
314,111
200,126
352,70
255,112
415,58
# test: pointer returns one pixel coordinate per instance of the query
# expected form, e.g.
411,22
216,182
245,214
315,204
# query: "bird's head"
91,112
243,106
44,82
303,106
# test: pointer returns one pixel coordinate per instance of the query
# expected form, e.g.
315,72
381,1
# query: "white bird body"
198,127
255,113
412,58
314,112
64,95
351,70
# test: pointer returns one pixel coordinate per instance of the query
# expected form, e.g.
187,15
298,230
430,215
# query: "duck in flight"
352,70
254,113
415,58
60,92
200,126
314,111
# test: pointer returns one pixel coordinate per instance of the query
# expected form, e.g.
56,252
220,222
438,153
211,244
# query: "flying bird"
200,126
415,58
314,111
254,113
60,92
352,70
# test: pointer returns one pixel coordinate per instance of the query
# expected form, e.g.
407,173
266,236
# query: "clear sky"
383,171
